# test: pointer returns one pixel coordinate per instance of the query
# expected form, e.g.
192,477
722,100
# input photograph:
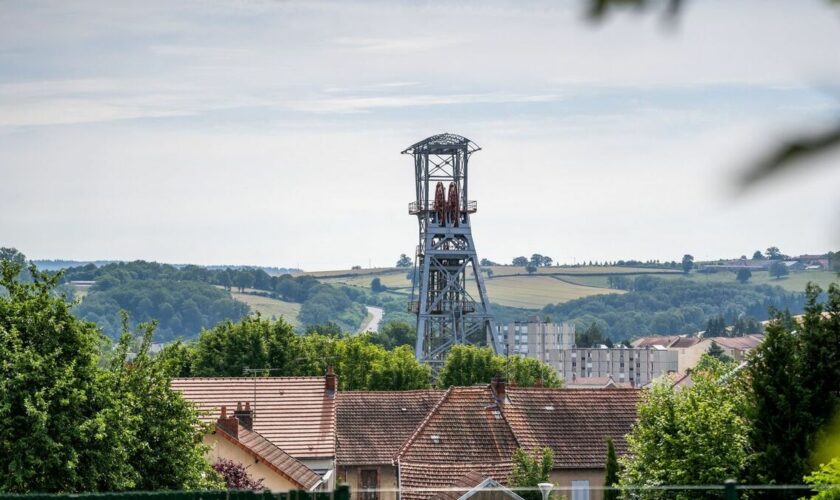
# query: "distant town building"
681,344
555,344
535,339
632,365
690,349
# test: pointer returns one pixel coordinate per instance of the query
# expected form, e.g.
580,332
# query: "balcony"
415,208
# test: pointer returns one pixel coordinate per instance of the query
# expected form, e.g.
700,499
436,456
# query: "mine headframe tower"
447,311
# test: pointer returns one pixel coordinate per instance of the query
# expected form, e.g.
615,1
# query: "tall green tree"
531,470
467,365
60,427
773,253
691,436
530,372
166,450
743,275
254,342
780,424
795,388
399,370
71,421
611,476
404,261
778,269
687,263
395,333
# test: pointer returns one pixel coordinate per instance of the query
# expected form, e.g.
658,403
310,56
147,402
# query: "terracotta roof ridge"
314,478
411,391
423,424
458,464
311,378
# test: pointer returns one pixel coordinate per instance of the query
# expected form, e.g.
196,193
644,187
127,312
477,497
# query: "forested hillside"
182,308
666,306
187,299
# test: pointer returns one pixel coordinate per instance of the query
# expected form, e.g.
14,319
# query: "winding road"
376,314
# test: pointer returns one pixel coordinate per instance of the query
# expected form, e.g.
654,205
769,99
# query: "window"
580,490
370,481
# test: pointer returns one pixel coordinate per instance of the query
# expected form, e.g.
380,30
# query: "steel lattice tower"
447,313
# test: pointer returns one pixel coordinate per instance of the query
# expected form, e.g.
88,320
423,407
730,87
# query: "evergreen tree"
780,427
795,383
611,476
717,352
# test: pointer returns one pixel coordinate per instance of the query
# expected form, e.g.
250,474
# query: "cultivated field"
534,292
392,280
512,286
583,270
794,282
269,307
506,287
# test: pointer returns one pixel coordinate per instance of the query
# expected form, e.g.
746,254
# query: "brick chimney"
498,386
245,415
330,382
228,425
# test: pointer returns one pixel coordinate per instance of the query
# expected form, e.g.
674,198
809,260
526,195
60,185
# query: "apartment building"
636,366
536,339
554,344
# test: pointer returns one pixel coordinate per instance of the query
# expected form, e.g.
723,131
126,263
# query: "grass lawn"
269,307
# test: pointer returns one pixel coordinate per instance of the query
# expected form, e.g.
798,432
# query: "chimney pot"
245,416
330,382
228,425
498,386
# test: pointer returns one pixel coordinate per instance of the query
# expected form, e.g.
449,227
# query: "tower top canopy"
445,143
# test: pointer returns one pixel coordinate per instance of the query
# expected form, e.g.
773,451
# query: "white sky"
268,132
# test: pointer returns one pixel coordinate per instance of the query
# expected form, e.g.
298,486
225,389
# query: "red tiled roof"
664,341
683,342
574,423
372,426
744,343
465,426
597,383
415,477
294,413
277,459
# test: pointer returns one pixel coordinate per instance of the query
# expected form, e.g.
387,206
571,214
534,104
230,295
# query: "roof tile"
294,413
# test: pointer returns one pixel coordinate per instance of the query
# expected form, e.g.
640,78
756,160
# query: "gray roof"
442,143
